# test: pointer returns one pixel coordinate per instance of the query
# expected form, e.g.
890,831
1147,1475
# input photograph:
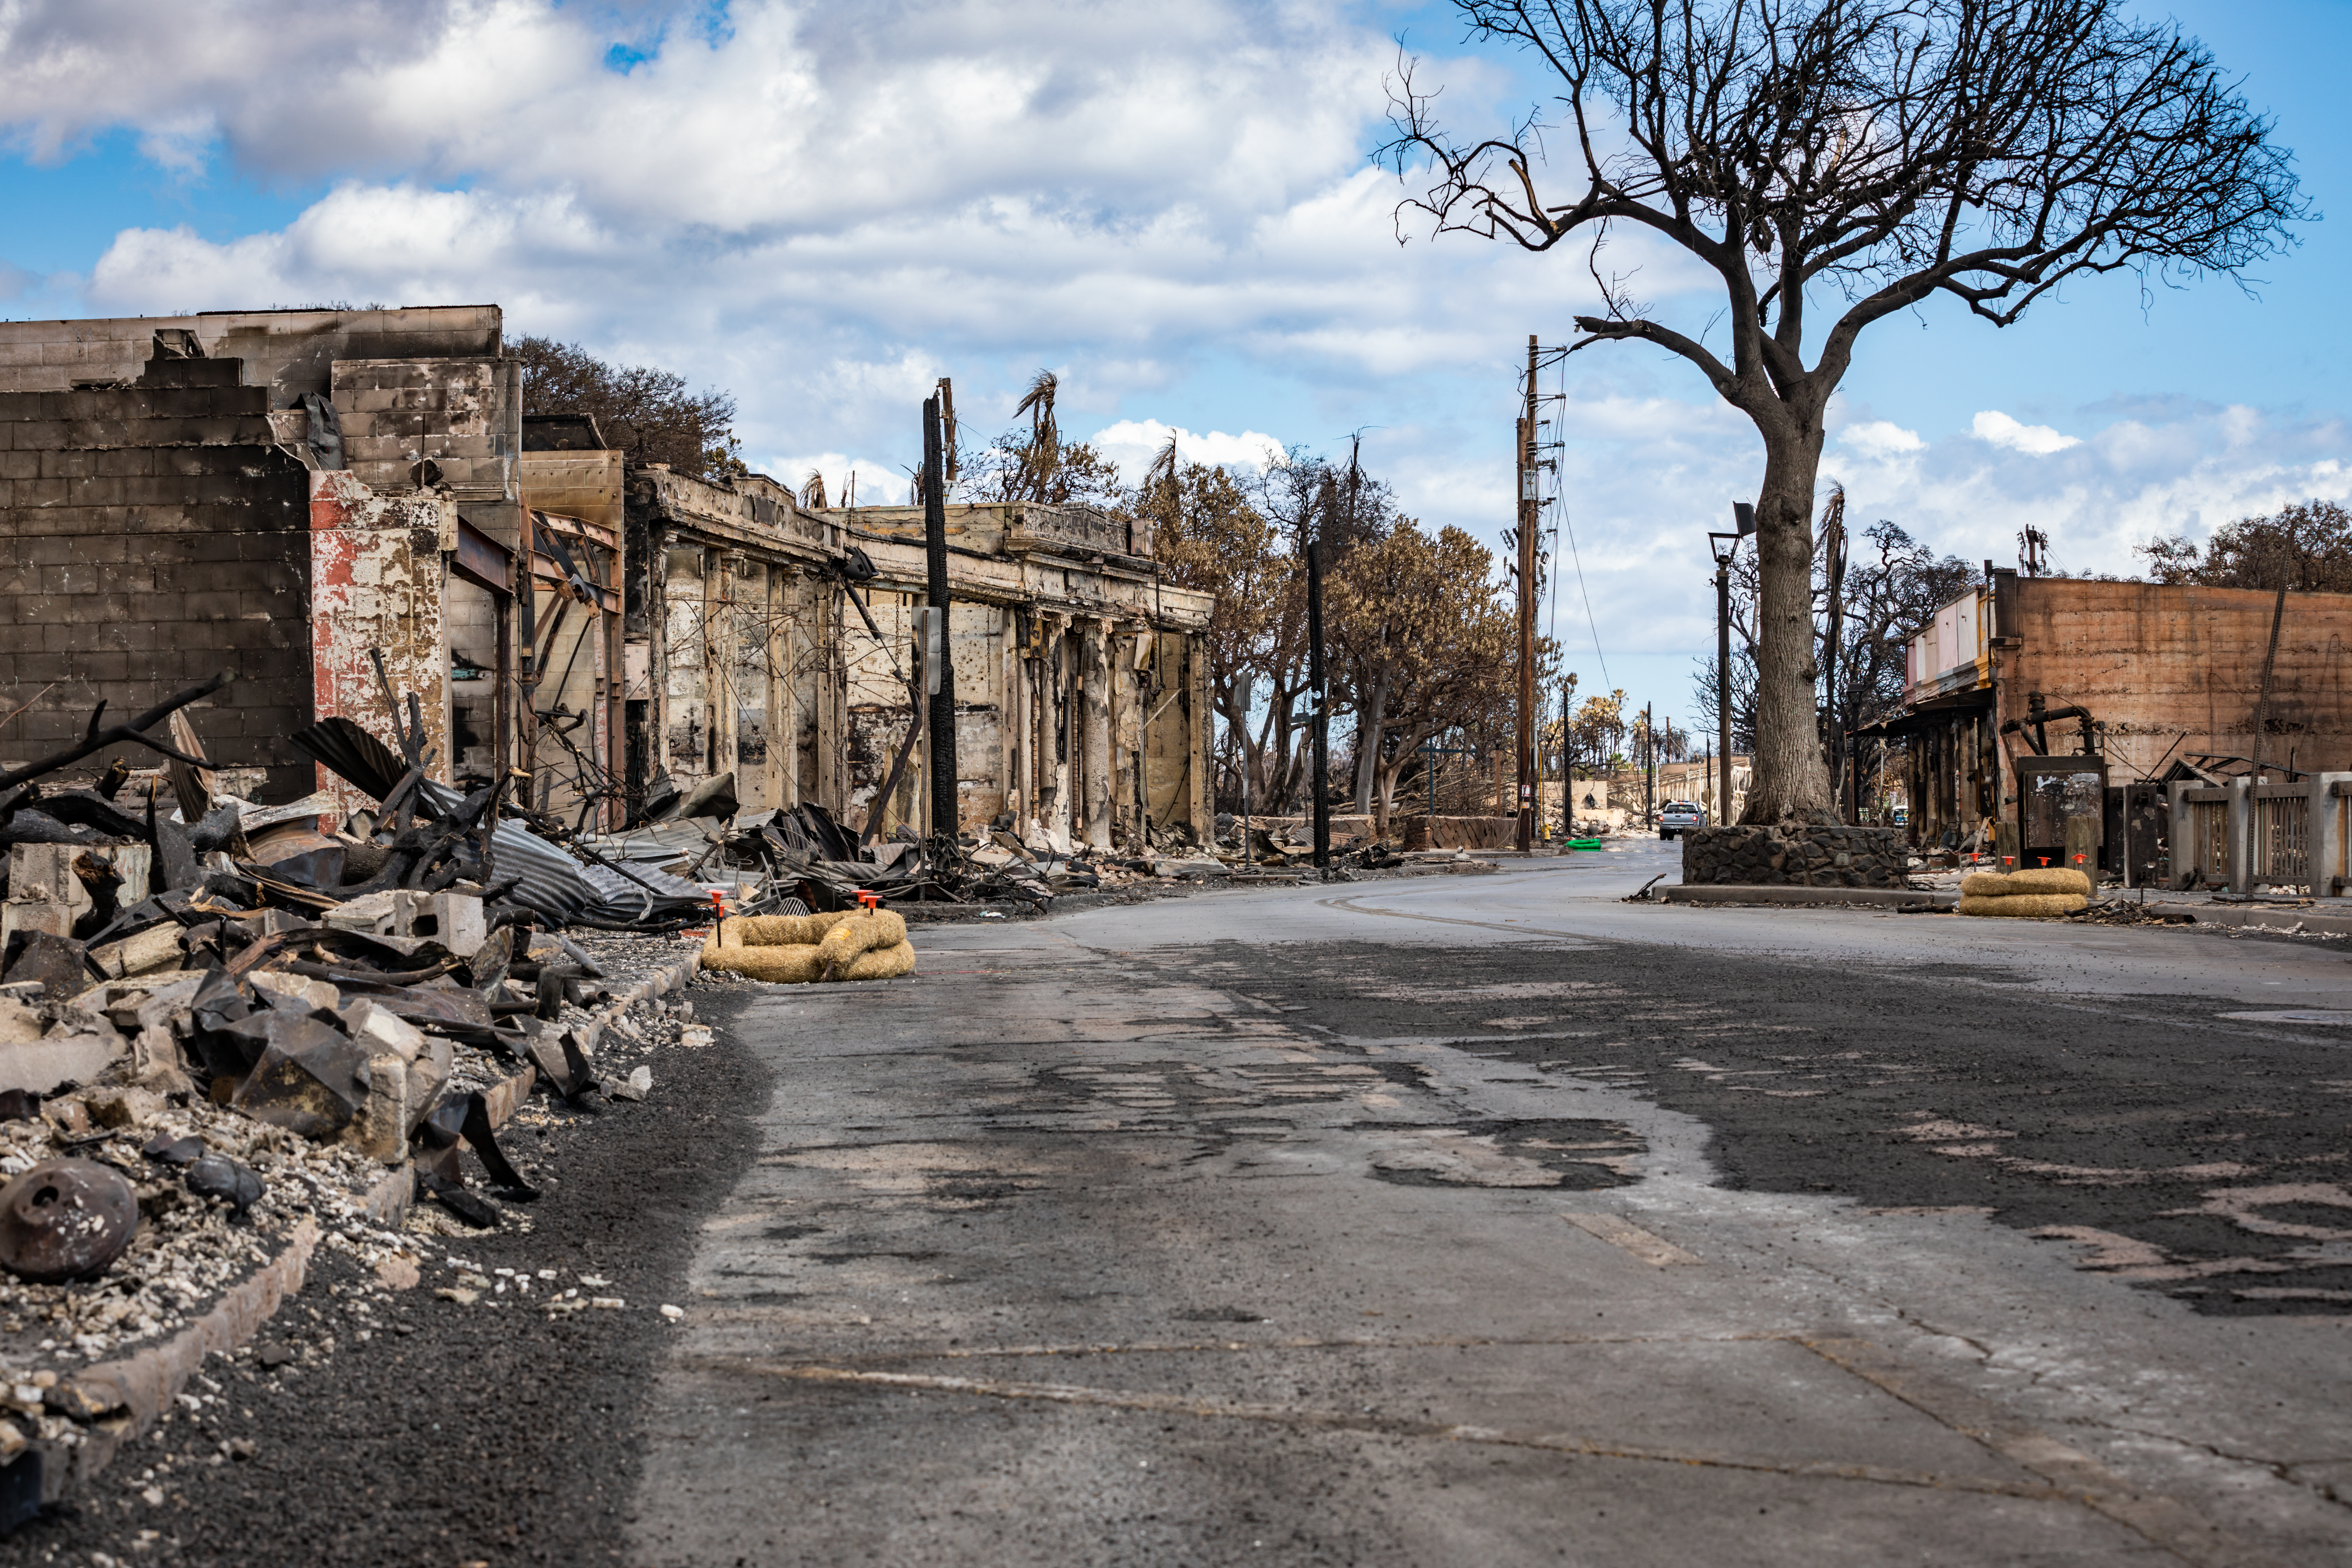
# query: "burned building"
339,505
158,509
2163,681
781,647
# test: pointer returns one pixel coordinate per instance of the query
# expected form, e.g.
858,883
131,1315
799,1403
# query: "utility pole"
1319,696
941,666
1524,836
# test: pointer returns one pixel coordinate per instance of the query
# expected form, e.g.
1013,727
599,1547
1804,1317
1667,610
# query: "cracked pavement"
1493,1219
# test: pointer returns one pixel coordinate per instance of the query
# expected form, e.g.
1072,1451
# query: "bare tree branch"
1860,156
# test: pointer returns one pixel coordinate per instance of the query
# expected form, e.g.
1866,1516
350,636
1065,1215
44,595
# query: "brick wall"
150,535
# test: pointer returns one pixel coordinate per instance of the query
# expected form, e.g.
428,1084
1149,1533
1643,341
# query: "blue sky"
823,207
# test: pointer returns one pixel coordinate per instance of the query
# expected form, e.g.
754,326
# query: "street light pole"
1744,521
1722,687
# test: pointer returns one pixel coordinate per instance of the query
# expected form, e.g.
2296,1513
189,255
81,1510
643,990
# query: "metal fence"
2244,836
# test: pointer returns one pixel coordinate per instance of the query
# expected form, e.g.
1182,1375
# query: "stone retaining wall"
1800,856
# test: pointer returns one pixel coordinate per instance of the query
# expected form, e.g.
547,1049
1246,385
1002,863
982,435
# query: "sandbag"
2024,906
881,963
846,944
862,933
2005,884
785,964
781,931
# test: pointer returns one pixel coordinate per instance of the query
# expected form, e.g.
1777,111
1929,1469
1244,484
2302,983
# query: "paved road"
1493,1220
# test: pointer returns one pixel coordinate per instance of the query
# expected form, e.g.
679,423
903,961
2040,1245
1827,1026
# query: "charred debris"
186,946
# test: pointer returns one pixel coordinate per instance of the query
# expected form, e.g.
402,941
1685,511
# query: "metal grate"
2209,838
2283,840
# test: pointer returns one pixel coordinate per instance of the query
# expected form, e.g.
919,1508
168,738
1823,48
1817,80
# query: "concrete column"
829,688
1200,806
776,655
657,648
715,736
1056,756
1094,643
2327,834
790,602
2242,823
1011,721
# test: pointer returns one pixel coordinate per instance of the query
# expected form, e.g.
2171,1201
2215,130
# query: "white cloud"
818,200
825,207
1132,444
1881,438
2037,440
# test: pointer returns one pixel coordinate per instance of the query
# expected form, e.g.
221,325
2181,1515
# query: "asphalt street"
1492,1219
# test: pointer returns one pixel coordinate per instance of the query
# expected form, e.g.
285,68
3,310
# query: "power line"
1560,500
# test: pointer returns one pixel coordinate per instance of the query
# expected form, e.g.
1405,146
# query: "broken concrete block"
459,923
382,1130
297,991
123,1107
156,1063
168,1001
44,873
375,1028
428,1075
19,1024
372,915
149,951
65,1055
47,917
135,864
306,1080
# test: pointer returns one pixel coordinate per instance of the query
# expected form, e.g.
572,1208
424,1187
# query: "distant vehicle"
1902,816
1679,816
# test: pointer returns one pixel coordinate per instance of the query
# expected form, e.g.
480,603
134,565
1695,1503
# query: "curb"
660,983
144,1385
2256,917
388,1202
1826,897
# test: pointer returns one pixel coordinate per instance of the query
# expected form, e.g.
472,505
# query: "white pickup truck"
1677,816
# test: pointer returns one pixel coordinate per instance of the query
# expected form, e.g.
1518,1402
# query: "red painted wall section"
378,581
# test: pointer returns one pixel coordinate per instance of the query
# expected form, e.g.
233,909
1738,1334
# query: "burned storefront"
2033,701
782,647
351,510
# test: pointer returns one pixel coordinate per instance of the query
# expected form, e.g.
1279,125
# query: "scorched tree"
1832,163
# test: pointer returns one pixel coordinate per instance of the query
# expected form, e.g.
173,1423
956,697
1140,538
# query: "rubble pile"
221,1023
1289,845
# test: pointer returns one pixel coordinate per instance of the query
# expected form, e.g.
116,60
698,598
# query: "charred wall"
2179,668
153,533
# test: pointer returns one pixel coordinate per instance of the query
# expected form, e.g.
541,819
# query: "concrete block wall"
397,413
151,535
